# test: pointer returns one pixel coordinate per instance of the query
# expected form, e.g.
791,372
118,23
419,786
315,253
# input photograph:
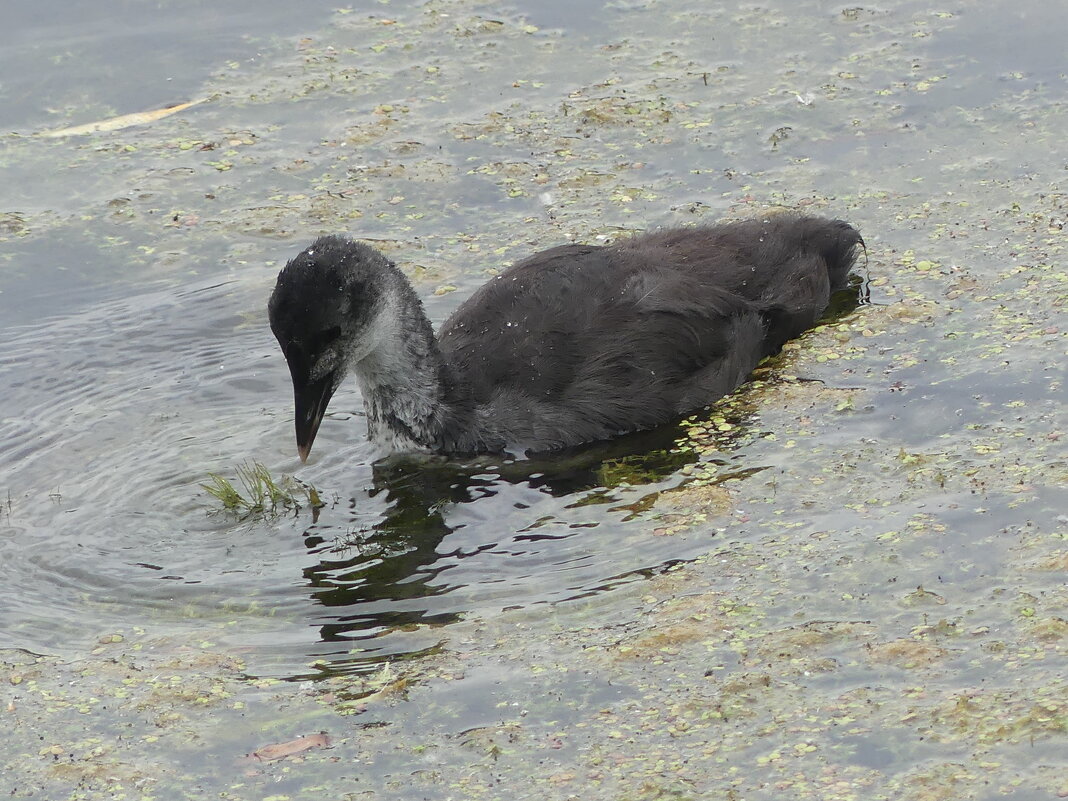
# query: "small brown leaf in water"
277,751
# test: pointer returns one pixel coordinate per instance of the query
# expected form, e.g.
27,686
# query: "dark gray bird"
573,344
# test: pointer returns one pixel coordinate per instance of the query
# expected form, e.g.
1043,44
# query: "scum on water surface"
872,600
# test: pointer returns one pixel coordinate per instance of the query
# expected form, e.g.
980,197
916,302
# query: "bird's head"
321,310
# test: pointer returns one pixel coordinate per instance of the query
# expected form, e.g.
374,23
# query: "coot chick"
573,344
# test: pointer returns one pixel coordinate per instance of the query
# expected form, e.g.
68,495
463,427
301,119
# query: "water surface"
860,576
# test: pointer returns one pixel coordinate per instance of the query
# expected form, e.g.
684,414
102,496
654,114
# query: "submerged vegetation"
262,495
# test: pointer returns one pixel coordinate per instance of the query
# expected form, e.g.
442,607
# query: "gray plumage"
573,344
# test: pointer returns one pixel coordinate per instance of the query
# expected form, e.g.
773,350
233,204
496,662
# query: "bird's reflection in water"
384,577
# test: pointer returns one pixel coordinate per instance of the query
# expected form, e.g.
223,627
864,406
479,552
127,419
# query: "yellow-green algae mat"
707,681
878,618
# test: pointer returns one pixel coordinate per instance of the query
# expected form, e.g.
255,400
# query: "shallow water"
154,367
59,58
897,478
132,403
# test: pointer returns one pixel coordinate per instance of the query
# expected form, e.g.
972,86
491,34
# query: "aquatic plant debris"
795,659
263,495
279,751
118,123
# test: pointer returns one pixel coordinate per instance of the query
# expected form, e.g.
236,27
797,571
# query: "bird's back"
582,342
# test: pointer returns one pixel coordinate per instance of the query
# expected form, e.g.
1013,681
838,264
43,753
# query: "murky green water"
861,577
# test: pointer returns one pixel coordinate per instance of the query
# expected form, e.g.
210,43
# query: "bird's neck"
401,376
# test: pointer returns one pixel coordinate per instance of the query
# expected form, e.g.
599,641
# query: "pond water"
895,475
153,365
137,360
123,409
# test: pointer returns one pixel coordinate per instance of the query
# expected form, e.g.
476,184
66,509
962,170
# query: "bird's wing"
578,338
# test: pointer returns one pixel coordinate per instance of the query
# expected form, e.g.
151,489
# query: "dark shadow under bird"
573,344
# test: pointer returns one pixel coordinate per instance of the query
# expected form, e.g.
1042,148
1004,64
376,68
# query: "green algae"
260,494
880,610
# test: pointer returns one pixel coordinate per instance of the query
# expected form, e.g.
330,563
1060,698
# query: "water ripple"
117,414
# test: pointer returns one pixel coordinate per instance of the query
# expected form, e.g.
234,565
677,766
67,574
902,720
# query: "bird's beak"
311,399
